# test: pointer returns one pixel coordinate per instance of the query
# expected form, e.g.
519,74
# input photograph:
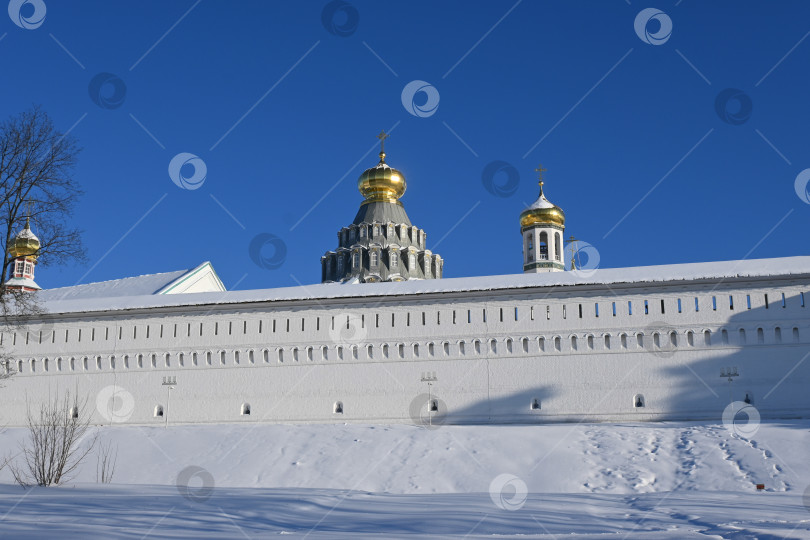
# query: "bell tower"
23,252
542,226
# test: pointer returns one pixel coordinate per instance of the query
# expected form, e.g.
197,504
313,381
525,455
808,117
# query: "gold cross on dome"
382,136
540,170
28,206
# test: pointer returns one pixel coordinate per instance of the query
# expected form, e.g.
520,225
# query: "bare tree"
36,181
105,462
17,310
54,448
5,460
7,370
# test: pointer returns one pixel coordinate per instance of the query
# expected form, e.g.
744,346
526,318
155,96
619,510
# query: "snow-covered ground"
665,480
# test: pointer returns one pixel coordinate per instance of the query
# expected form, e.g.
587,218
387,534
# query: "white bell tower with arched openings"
542,226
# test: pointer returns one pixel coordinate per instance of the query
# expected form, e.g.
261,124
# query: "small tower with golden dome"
381,244
542,226
23,252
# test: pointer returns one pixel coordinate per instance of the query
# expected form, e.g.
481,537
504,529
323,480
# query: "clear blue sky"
617,117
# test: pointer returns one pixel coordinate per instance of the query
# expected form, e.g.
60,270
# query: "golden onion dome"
25,244
381,183
542,212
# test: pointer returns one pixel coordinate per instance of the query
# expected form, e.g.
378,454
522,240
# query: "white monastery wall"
582,352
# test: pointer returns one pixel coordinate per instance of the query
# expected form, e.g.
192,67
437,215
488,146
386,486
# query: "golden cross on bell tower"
382,136
28,207
540,170
574,252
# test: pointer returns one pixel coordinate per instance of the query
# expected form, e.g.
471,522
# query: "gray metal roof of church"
381,212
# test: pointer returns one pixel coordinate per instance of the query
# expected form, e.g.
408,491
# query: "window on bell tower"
356,259
557,243
543,245
394,259
374,258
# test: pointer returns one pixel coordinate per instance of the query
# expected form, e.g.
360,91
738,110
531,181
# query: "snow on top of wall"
757,268
131,286
149,284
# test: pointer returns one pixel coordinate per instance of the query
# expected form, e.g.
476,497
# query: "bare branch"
54,448
18,310
36,180
105,462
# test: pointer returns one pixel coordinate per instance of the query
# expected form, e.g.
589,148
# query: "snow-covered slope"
669,480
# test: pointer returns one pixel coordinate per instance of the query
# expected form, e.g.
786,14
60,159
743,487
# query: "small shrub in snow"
54,448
